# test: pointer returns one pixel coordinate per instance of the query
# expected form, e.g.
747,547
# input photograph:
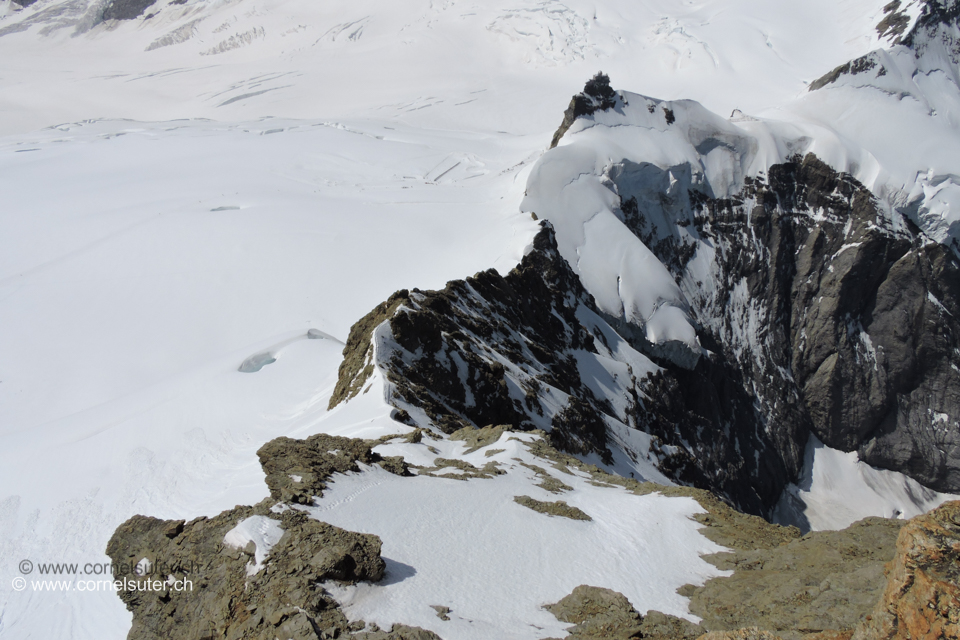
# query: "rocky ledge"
255,571
824,586
258,571
531,350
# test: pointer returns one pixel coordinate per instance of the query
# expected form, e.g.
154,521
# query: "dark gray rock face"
447,353
854,325
126,9
440,360
597,95
933,14
854,67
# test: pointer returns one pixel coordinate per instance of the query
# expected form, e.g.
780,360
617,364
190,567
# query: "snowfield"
468,546
196,206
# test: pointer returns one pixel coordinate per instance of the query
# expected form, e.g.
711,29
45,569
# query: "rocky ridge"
248,591
823,586
818,311
526,350
816,587
829,319
821,310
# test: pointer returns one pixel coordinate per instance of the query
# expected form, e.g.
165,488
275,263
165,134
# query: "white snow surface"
837,489
508,65
908,95
263,532
468,546
221,181
142,264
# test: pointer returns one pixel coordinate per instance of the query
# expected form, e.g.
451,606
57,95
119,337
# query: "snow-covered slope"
901,104
157,261
502,65
836,489
232,174
509,560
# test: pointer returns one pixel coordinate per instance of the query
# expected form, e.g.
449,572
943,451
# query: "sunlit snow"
221,182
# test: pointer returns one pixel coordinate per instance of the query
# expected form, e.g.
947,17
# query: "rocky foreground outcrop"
234,592
822,582
258,571
818,587
922,597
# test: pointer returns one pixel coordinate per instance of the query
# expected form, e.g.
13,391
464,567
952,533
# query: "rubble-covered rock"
254,571
922,596
597,614
227,597
824,581
297,470
557,508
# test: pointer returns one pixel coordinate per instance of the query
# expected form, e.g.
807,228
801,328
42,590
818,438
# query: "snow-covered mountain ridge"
690,230
721,202
174,293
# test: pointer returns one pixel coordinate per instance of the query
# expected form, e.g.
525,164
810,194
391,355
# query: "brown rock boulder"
922,598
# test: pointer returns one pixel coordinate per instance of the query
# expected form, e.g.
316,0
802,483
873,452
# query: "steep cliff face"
840,319
527,350
817,306
532,350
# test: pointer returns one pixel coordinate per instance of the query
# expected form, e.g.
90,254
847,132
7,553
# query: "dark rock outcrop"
126,9
894,23
444,351
823,314
597,95
857,320
934,14
854,67
502,350
935,26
